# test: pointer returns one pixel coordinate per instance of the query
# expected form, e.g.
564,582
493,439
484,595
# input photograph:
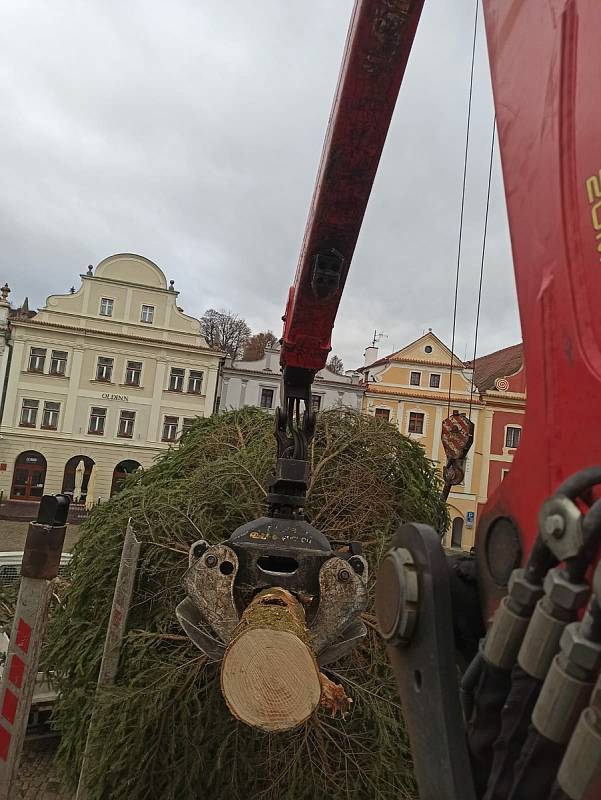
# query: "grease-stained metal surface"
342,598
209,613
209,582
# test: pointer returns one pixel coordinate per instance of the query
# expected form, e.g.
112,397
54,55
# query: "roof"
497,365
23,312
401,355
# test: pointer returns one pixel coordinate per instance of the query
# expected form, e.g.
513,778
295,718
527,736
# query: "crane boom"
378,44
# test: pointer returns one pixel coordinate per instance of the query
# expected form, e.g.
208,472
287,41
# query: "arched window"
457,532
120,473
75,483
29,476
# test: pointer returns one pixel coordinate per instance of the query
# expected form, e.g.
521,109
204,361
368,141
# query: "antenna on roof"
378,337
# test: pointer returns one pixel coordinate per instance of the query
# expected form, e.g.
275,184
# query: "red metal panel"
5,738
16,671
546,70
377,48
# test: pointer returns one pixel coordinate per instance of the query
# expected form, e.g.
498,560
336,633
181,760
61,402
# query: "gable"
427,349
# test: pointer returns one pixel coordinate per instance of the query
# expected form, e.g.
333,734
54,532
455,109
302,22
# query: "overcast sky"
190,132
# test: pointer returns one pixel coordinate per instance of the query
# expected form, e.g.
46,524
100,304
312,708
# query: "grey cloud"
191,133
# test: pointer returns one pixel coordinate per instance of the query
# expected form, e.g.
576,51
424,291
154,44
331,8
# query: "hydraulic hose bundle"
529,724
538,664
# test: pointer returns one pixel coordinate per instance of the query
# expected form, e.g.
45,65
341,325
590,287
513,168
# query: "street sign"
469,519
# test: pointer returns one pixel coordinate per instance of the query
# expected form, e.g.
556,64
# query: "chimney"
370,355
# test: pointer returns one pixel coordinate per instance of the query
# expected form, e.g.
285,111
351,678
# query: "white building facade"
257,383
109,375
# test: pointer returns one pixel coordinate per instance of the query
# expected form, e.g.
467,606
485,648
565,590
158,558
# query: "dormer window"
147,314
106,307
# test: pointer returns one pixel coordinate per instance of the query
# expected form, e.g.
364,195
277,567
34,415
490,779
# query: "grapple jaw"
329,579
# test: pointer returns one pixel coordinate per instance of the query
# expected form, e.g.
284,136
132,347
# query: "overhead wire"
461,215
490,167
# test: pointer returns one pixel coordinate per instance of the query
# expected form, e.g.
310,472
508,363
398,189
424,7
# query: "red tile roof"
497,365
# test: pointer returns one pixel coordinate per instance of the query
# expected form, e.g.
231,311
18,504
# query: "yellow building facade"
410,388
108,375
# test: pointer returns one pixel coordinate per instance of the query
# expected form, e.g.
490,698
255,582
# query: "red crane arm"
377,48
546,74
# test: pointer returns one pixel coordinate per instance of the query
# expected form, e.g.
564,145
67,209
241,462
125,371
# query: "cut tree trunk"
269,675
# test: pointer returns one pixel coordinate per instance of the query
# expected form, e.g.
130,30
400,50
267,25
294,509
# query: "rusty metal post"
41,562
114,638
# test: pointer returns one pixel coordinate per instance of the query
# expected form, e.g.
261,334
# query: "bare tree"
335,365
255,346
225,331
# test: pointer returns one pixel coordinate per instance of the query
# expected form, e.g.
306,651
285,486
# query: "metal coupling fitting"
560,526
541,642
561,592
596,582
580,651
523,594
504,636
397,598
580,771
560,703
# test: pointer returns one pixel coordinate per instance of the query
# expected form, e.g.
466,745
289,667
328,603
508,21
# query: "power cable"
490,165
467,141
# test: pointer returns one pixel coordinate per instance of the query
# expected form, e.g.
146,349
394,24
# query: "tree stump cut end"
269,675
271,681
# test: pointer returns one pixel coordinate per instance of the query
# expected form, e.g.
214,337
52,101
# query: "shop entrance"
120,474
29,476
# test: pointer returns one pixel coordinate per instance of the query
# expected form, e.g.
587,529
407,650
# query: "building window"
382,413
104,369
428,348
504,474
187,424
195,382
37,357
266,400
133,373
315,402
106,307
512,437
97,421
170,429
29,413
415,378
416,422
58,362
126,424
434,381
50,416
176,379
147,314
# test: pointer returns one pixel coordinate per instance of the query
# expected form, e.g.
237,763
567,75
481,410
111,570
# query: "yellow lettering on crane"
593,187
593,191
